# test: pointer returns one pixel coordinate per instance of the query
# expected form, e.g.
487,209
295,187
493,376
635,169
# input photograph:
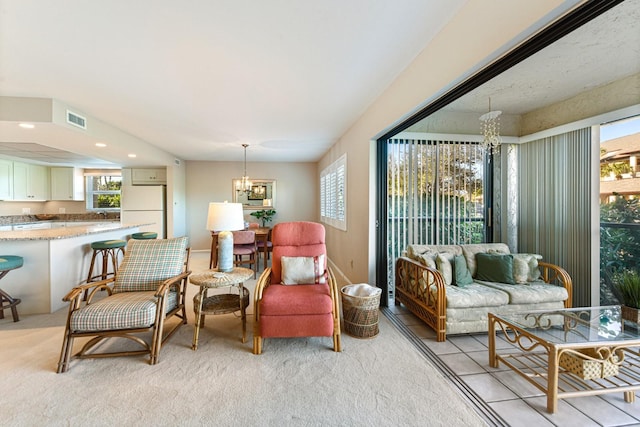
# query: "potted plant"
264,215
627,289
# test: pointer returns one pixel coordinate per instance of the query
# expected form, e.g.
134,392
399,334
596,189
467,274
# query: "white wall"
449,58
296,192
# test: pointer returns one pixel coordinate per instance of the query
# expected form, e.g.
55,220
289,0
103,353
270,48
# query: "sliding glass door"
435,194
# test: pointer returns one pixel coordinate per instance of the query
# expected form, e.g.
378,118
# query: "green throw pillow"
495,268
463,276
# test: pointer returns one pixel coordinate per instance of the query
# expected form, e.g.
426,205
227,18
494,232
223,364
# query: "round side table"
222,303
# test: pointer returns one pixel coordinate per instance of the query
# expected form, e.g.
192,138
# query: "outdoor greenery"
619,245
105,191
615,168
264,215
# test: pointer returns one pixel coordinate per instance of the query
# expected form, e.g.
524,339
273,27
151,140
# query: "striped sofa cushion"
126,310
148,263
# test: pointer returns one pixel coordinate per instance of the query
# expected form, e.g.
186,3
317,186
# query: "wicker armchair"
148,288
308,308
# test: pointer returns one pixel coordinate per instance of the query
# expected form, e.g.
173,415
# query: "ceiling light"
491,130
27,125
131,155
100,144
244,184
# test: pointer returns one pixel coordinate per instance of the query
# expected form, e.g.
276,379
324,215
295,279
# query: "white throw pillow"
525,268
303,270
444,267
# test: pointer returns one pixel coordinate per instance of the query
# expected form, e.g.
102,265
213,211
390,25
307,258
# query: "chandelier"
244,184
490,126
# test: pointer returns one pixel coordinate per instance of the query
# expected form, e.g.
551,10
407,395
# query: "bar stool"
144,235
107,249
8,263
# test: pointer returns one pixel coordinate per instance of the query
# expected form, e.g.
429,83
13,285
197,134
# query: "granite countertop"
65,232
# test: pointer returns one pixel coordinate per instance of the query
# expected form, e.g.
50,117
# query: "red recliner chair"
298,295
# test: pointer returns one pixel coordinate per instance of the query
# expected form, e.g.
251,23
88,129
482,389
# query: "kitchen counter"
67,231
55,260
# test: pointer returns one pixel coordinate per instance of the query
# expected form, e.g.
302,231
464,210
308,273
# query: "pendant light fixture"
490,123
244,184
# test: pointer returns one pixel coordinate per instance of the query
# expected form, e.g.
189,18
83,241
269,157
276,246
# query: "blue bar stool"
109,250
144,235
8,263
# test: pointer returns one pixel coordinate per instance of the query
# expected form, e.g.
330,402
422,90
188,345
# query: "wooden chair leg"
257,345
65,352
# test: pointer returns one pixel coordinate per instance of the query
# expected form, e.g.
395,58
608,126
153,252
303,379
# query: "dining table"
262,235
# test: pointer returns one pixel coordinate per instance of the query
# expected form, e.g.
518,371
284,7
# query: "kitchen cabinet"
6,179
149,176
30,182
67,183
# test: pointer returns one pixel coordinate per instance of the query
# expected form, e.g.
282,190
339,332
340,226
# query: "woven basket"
588,369
360,315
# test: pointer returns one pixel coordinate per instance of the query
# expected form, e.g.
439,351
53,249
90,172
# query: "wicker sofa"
429,283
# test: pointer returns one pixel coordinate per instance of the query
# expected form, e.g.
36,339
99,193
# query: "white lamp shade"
225,217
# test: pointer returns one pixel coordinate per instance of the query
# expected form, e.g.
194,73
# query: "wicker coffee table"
220,303
570,352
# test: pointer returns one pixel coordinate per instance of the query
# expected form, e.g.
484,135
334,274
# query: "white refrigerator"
140,204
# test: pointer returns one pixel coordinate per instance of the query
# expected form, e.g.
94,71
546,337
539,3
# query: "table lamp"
225,218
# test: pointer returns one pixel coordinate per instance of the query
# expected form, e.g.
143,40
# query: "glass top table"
570,352
577,325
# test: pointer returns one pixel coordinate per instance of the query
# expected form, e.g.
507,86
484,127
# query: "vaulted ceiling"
287,77
202,77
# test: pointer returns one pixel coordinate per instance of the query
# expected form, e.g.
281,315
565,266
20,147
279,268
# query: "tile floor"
500,395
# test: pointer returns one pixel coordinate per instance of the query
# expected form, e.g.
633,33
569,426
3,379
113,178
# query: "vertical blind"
435,195
555,195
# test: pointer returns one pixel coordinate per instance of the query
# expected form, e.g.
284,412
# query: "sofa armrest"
423,291
556,275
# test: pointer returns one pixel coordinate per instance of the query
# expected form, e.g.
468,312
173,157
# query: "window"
333,194
103,191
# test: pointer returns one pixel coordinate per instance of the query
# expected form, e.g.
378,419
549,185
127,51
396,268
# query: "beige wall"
296,192
15,208
452,55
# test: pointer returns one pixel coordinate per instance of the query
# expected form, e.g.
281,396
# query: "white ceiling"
199,78
287,77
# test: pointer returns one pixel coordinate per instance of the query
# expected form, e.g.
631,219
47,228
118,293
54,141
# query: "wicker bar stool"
108,249
8,263
144,235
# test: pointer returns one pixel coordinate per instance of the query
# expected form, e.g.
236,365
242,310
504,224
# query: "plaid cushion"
148,263
126,310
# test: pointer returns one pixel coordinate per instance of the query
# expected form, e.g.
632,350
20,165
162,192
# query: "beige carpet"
381,381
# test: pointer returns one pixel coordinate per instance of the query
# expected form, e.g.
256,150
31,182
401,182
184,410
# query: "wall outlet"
61,210
26,211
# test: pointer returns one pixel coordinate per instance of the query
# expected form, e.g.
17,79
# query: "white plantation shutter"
333,194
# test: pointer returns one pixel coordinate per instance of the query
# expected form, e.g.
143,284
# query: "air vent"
76,120
177,162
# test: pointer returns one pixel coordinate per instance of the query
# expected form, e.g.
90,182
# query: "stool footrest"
7,302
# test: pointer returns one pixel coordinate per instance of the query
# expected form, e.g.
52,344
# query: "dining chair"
244,244
265,247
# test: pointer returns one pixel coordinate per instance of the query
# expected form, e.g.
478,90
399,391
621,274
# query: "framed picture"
258,192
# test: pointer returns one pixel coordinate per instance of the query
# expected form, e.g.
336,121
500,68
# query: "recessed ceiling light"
132,155
100,144
26,125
